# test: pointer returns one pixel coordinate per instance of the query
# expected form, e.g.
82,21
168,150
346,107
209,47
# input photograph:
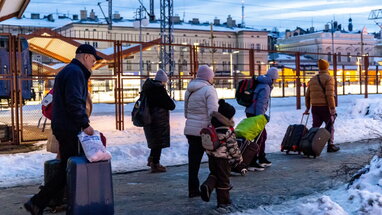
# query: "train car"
5,73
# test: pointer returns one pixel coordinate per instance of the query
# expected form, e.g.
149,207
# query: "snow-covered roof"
43,23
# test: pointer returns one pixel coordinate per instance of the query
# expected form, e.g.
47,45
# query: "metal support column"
335,78
298,82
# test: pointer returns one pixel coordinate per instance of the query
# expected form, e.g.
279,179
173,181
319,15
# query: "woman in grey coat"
201,100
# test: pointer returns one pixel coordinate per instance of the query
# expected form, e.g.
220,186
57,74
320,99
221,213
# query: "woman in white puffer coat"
201,100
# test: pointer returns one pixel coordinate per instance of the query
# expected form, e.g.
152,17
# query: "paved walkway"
290,177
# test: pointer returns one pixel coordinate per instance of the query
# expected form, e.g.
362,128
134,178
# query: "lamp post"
139,21
231,59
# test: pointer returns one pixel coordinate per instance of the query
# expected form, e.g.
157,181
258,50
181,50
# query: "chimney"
311,30
326,27
216,21
116,16
350,26
84,14
230,22
175,19
75,17
195,21
35,16
287,33
92,15
50,18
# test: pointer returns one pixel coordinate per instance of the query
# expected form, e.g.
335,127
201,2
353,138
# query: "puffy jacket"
229,149
69,103
261,96
315,95
158,132
201,100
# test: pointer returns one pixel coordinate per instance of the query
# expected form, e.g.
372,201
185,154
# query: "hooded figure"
261,100
201,100
158,132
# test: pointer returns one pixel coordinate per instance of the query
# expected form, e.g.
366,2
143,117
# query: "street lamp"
139,21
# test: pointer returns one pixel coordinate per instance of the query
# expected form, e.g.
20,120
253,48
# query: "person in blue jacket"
260,104
68,120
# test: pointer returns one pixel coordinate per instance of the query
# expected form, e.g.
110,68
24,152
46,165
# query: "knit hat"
273,73
226,109
323,64
205,73
161,76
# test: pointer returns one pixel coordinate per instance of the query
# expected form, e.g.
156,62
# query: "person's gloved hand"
267,117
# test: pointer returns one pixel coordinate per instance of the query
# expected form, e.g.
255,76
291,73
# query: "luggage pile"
299,139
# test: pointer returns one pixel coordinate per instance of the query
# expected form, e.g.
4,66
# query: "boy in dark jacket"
220,160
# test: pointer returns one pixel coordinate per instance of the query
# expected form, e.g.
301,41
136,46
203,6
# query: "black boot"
223,197
207,187
33,208
149,160
333,148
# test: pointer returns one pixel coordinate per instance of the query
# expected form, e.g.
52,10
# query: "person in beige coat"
320,96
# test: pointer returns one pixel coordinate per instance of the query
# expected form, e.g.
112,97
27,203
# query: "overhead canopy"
56,46
12,8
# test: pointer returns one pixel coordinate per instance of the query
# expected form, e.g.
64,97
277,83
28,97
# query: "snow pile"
362,196
129,147
322,206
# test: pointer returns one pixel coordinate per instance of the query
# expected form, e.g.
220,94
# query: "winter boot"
157,168
264,162
223,197
255,167
33,208
333,148
207,187
149,160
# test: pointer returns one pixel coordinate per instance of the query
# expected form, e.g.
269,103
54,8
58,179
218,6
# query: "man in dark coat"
158,132
69,118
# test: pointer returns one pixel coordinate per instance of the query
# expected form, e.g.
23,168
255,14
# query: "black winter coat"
69,99
158,132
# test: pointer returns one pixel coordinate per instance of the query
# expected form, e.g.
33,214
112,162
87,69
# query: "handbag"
141,112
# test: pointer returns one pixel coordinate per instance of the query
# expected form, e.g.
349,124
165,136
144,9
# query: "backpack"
210,139
47,105
245,90
140,115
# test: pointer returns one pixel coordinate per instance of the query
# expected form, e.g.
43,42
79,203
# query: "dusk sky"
258,14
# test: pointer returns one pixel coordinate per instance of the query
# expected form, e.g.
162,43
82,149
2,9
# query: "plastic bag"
250,127
93,147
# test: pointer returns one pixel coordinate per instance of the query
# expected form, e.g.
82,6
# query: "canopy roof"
12,8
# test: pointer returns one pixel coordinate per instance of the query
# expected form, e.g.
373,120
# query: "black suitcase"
314,141
293,136
58,202
90,187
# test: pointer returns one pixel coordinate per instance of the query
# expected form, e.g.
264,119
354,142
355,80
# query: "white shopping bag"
93,147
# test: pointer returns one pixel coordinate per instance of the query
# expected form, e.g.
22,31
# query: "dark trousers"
219,178
320,115
195,154
68,145
261,141
155,154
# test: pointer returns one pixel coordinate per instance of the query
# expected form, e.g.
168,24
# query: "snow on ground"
363,196
129,147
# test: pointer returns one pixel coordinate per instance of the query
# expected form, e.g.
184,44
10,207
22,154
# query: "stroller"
248,133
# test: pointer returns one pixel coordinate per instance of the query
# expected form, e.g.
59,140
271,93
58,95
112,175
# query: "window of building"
339,57
258,46
252,46
329,56
95,44
148,65
348,57
87,42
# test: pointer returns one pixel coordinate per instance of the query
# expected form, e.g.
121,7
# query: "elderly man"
69,118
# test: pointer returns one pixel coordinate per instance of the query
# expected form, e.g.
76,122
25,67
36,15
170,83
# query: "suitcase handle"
307,118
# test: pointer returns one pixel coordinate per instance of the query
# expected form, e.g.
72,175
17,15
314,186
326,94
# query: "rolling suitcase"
50,169
314,141
293,135
248,149
90,187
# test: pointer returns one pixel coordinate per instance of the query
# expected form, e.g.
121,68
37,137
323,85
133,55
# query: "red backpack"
47,105
210,139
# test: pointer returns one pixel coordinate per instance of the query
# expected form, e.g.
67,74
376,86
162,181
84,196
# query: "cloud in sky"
259,14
